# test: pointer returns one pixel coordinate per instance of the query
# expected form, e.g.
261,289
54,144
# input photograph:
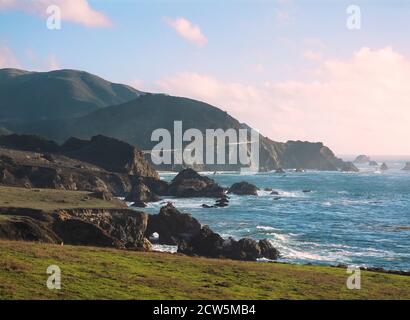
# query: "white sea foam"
164,248
265,228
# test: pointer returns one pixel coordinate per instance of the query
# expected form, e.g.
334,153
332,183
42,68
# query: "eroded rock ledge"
128,229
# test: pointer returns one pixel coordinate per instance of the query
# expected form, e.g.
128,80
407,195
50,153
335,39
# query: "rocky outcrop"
407,166
186,232
141,193
188,183
243,188
173,227
123,227
111,154
28,142
373,163
308,155
362,159
58,171
349,167
384,167
118,228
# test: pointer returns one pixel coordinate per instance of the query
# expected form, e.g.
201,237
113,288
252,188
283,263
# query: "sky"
292,69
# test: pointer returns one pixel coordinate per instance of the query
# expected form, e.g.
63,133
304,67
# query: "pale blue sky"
253,46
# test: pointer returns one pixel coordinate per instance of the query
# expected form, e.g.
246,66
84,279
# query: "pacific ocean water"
360,219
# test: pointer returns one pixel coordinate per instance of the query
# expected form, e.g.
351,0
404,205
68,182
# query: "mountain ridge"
134,121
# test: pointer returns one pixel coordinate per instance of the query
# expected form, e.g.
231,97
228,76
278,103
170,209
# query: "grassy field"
96,273
51,199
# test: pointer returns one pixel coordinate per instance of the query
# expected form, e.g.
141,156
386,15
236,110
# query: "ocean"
360,219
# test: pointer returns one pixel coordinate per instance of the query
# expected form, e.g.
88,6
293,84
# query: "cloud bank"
357,105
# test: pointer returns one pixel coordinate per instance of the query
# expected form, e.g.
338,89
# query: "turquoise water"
351,218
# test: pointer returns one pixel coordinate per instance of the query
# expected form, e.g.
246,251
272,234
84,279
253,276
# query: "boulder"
173,226
188,183
349,167
244,249
274,192
243,188
280,170
267,250
407,166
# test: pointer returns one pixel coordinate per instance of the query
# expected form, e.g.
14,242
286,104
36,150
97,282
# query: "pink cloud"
188,31
358,105
78,11
7,58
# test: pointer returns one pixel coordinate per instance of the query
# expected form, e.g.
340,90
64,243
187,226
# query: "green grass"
97,273
51,199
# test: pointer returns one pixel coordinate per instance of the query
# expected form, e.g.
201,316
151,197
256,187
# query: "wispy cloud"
358,105
188,31
76,11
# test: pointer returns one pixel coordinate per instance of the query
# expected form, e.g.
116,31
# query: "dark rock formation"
172,226
140,193
280,170
373,163
111,154
188,183
57,170
127,227
407,166
274,192
349,167
362,159
267,250
384,167
308,155
183,230
243,188
118,228
28,143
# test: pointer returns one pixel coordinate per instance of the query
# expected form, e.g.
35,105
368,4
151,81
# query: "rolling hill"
26,95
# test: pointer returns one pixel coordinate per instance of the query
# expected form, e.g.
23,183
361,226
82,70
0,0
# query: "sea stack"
362,159
407,166
384,167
